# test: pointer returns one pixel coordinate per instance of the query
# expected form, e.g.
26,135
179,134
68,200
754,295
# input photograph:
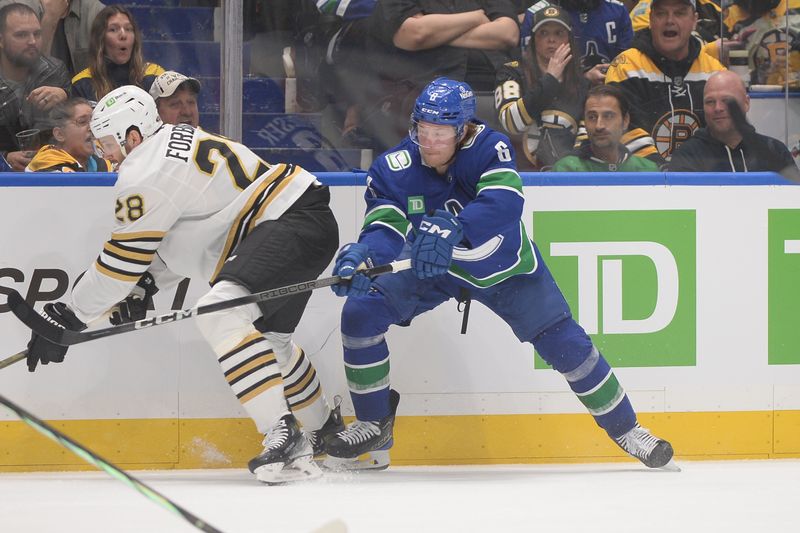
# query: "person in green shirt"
606,114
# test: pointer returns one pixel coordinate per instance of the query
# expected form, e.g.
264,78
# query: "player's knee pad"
365,317
225,329
565,346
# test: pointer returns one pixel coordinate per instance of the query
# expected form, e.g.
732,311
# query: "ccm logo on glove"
434,229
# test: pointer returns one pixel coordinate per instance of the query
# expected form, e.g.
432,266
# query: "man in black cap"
663,76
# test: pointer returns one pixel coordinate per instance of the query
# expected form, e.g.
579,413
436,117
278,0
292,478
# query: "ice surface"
707,497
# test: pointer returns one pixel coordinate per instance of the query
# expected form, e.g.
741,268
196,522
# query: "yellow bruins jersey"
50,158
184,199
666,102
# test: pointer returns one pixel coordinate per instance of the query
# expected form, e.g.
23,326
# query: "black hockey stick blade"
114,471
65,337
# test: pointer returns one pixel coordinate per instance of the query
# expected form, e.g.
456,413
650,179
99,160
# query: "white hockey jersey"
185,199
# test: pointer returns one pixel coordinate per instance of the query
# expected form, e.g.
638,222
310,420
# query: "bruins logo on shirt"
771,53
670,131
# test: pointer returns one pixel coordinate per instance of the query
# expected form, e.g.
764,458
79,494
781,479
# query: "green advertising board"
630,280
784,286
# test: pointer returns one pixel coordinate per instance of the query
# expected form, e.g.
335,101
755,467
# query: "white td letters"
588,253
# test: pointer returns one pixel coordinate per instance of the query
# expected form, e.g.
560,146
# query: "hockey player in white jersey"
193,204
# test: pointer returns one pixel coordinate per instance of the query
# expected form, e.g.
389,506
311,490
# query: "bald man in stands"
729,143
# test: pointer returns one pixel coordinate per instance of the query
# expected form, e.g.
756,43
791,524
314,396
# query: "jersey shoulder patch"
398,160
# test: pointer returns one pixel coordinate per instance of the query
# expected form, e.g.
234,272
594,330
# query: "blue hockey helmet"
468,101
446,102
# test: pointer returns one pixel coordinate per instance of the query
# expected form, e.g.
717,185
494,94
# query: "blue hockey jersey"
481,186
601,34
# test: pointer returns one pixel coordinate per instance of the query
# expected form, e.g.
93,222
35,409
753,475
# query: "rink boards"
688,284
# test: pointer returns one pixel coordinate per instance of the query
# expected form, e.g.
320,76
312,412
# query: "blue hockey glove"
432,250
350,258
41,350
135,306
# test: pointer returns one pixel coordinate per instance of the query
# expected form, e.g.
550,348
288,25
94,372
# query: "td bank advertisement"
692,293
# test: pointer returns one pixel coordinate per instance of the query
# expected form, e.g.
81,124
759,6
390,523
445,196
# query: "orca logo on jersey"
434,229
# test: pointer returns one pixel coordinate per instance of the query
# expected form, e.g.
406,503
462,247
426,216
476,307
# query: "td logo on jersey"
629,277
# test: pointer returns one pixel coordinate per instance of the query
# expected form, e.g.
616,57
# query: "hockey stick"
114,471
65,337
10,360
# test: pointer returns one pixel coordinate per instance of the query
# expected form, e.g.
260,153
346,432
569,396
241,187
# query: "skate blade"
670,467
301,469
374,460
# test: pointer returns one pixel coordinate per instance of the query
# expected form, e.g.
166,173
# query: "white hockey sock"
301,385
248,360
255,377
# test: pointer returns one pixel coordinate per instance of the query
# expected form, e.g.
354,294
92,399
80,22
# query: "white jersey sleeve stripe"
118,274
127,253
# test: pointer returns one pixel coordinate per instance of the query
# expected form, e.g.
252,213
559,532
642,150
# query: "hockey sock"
366,365
301,386
597,388
303,391
568,349
255,377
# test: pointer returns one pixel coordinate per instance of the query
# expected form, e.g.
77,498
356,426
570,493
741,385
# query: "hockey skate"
363,445
287,455
332,426
649,449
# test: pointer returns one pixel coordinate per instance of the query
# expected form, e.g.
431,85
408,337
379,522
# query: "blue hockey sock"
366,365
596,386
568,349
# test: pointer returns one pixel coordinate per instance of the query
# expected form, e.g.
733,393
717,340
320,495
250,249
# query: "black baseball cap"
551,14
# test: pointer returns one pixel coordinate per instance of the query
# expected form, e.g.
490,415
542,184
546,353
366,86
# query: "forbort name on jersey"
180,142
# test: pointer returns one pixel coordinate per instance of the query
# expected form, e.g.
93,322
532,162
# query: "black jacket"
16,115
756,153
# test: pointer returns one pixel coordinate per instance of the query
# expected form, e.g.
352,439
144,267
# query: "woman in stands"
115,56
542,95
73,145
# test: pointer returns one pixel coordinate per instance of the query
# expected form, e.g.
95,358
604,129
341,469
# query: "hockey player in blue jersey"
450,198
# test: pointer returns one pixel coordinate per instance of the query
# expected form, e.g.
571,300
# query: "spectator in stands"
708,20
176,98
729,143
542,95
602,29
30,83
73,146
115,56
760,28
607,115
663,76
411,42
65,29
